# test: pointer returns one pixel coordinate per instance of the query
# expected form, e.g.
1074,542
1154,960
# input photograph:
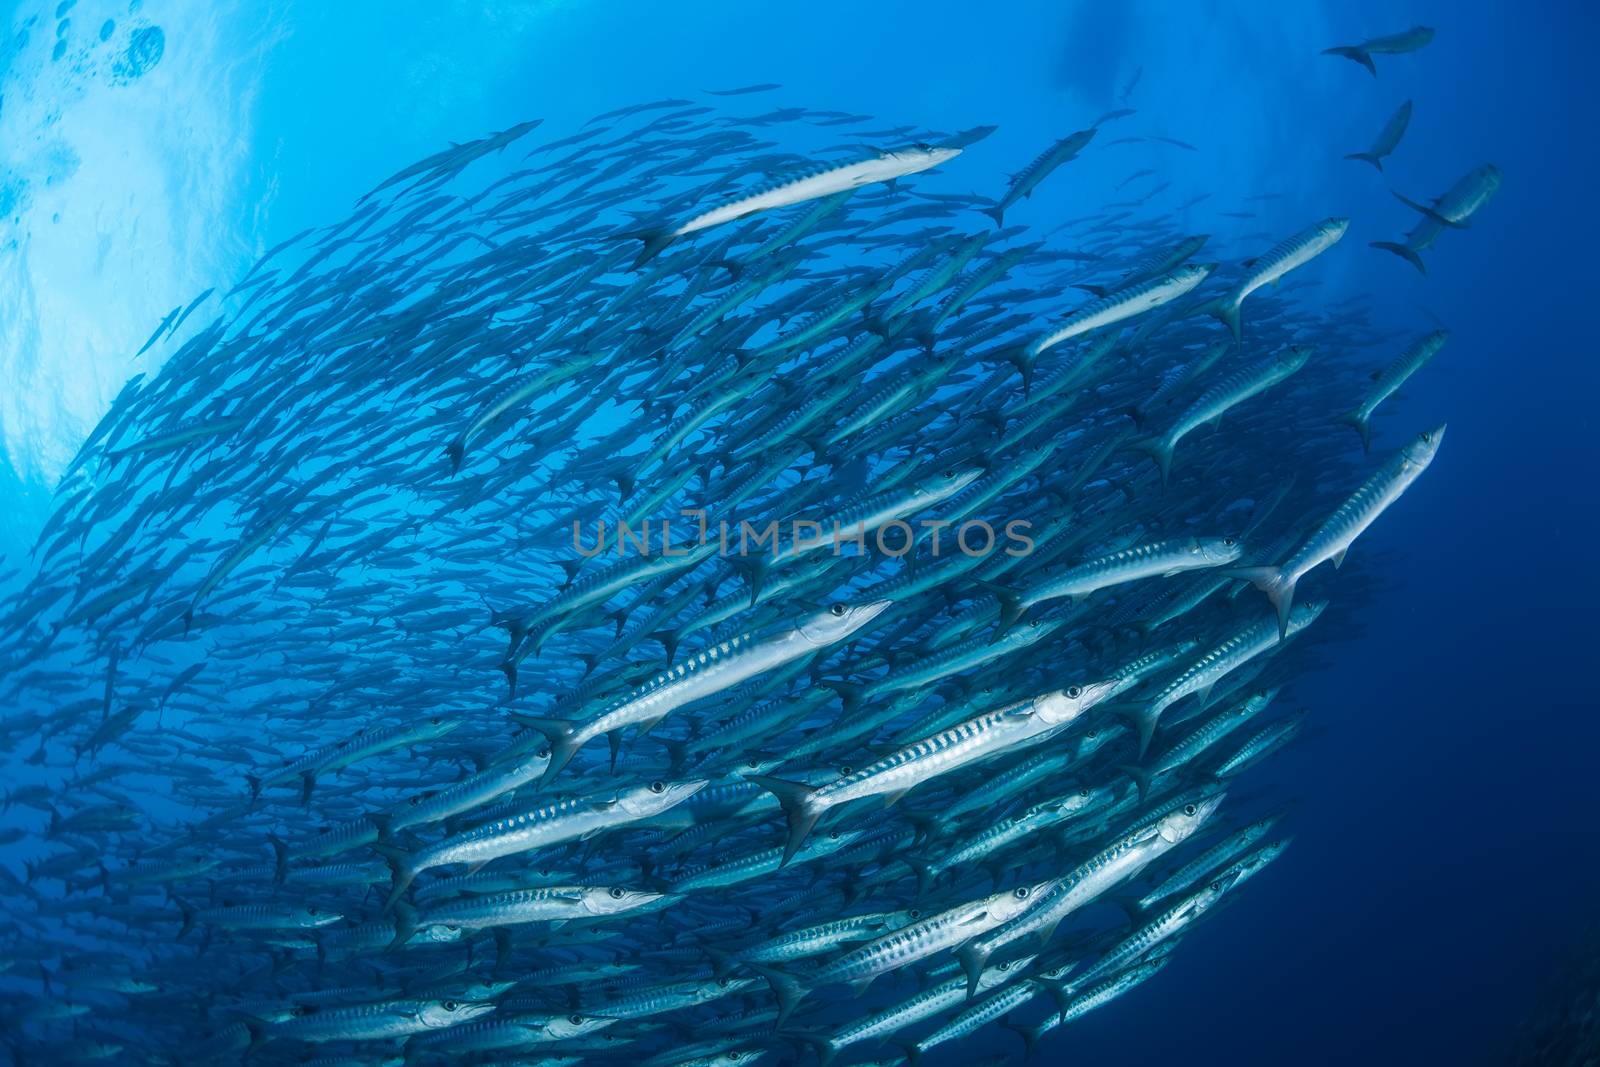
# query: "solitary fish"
1334,537
1393,44
1387,381
813,184
1448,212
1298,250
1388,137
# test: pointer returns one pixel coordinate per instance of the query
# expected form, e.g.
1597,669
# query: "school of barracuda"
310,667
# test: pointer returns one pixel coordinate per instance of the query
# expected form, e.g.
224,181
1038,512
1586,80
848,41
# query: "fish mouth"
871,609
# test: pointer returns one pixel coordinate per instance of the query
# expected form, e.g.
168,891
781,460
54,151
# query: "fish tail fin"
1356,55
1278,586
997,213
508,668
850,693
654,242
785,986
721,962
280,858
1405,252
1029,1032
403,868
1159,450
1363,426
1227,313
973,956
457,451
405,925
1024,359
912,1050
1141,777
1130,907
1368,157
188,919
1428,212
795,797
1144,717
825,1048
562,735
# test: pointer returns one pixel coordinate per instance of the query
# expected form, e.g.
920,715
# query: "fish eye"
1229,542
837,611
723,982
1084,792
833,835
575,1020
1074,692
544,753
1092,734
1021,892
311,911
1006,966
1189,809
617,893
949,474
915,913
449,1005
453,929
658,787
434,721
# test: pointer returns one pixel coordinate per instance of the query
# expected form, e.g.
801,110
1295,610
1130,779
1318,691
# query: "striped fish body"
1212,404
1124,304
1391,378
1282,258
1349,520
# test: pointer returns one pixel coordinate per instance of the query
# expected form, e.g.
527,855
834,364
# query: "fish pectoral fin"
1338,557
889,799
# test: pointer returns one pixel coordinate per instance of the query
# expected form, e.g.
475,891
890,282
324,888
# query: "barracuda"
1279,260
1123,859
708,672
1160,559
552,904
1217,856
384,1020
925,1005
1349,520
1212,404
564,820
1124,304
517,1031
1245,644
825,937
921,939
1026,180
814,184
896,774
1389,380
1185,751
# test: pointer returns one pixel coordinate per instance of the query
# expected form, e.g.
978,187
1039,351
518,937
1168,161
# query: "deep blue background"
1446,843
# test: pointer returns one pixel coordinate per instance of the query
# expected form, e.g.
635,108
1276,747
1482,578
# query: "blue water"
1445,852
